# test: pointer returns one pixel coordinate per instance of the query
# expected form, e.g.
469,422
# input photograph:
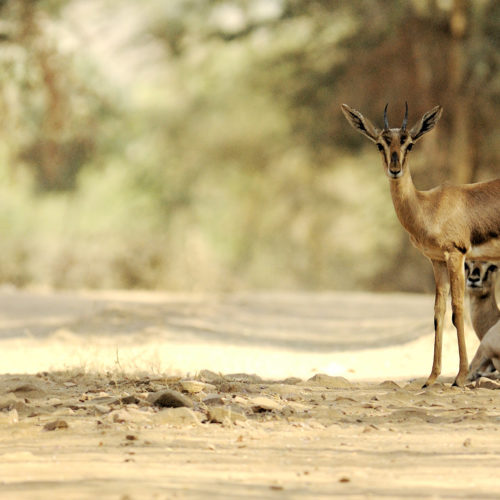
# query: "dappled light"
200,146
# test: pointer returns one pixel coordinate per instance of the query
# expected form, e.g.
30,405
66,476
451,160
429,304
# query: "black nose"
473,279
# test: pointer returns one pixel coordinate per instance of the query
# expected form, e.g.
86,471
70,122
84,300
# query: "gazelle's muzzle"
394,165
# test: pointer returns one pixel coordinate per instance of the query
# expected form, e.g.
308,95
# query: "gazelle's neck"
484,312
405,200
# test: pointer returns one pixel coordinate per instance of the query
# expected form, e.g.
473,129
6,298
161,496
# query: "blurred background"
199,145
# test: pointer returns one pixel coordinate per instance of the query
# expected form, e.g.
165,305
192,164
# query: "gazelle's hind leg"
455,263
442,288
479,363
487,355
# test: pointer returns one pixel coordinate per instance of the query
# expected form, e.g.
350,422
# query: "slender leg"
442,288
478,363
455,264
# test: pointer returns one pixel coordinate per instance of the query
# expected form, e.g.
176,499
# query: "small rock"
243,377
194,386
292,381
261,403
210,376
63,412
389,384
330,382
229,386
54,402
239,400
56,424
128,415
12,402
127,400
28,390
102,409
169,399
213,400
69,384
467,442
344,480
286,391
218,414
178,416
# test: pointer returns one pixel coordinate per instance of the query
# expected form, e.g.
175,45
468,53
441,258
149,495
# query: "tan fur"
487,352
485,316
447,223
480,280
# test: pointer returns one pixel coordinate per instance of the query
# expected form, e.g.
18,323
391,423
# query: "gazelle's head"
480,278
393,143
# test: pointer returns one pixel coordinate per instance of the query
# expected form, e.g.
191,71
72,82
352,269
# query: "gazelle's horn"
405,119
386,123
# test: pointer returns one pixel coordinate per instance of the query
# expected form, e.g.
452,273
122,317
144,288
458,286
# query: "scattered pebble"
261,403
195,386
210,376
169,399
330,382
56,424
219,414
243,377
389,384
177,416
213,400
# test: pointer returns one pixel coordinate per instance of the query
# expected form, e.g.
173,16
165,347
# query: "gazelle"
480,281
447,223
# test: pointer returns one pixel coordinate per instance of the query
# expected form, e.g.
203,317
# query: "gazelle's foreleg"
455,263
480,361
442,288
487,354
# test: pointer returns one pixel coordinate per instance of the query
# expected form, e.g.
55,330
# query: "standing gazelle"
447,223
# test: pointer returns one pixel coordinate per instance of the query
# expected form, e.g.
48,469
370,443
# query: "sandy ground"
143,395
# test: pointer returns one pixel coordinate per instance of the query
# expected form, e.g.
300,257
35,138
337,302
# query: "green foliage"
197,144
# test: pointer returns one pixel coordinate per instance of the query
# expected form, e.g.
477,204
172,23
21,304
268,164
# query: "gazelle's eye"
408,148
380,147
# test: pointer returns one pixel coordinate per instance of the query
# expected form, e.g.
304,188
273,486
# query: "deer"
447,224
480,281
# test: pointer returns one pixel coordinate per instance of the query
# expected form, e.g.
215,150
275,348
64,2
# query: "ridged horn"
405,119
386,123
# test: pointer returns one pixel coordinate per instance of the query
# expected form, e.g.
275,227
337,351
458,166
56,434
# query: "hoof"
430,381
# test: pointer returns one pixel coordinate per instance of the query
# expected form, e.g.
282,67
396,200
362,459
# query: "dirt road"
131,396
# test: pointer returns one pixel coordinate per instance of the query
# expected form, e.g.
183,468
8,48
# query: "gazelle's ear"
360,123
427,123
